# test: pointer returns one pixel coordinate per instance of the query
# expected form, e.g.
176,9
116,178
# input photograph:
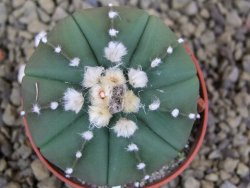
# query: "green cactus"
147,88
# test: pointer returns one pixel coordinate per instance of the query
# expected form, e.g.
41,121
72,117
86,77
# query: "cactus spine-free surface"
110,95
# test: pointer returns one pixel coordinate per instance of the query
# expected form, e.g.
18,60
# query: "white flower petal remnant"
78,154
141,166
115,51
54,105
137,78
155,62
92,76
131,103
58,49
87,135
99,116
170,50
113,77
113,14
40,36
191,116
73,100
69,171
175,112
125,128
21,73
36,109
113,32
155,104
132,147
74,62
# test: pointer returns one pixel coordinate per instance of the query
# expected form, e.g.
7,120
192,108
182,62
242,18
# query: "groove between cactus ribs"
91,48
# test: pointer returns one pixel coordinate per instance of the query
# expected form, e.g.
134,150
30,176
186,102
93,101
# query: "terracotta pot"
202,130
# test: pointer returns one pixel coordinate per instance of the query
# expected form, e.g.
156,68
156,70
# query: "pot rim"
163,181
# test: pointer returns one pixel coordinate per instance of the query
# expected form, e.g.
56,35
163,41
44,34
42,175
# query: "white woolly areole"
175,112
58,49
22,113
40,36
92,76
146,177
78,154
141,166
36,109
131,103
155,62
198,116
100,95
155,104
170,50
136,184
69,171
73,100
180,40
125,128
115,51
113,14
191,116
137,78
21,73
74,62
132,147
113,77
99,116
113,32
87,135
54,105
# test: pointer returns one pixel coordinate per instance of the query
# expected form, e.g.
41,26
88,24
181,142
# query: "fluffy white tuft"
146,177
155,104
87,135
180,40
115,51
99,116
36,109
137,78
136,184
125,128
73,100
69,171
131,103
78,154
54,105
141,166
92,76
175,112
74,62
100,95
198,116
113,14
57,49
155,62
113,32
132,147
40,36
110,5
113,77
170,50
22,113
191,116
21,73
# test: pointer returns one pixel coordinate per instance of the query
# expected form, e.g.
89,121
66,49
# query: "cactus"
110,95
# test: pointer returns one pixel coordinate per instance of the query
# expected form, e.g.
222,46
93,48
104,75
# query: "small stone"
227,184
191,9
234,74
229,165
233,19
3,13
36,26
191,182
212,177
246,63
47,5
12,185
23,152
59,14
15,95
9,115
179,4
17,3
242,170
206,184
51,182
3,165
39,170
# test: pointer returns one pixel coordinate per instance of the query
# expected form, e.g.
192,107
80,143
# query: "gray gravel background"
219,34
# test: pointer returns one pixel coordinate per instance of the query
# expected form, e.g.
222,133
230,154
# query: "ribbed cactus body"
159,135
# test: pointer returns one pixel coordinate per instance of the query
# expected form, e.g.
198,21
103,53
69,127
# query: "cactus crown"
107,91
